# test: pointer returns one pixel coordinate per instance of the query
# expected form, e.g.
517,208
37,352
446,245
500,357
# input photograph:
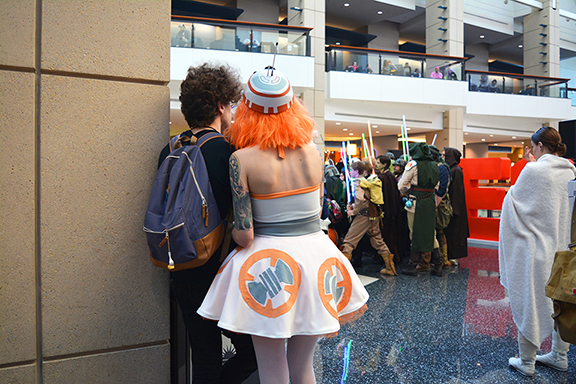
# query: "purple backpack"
182,222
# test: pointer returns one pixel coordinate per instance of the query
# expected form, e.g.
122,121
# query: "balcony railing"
513,83
199,32
394,63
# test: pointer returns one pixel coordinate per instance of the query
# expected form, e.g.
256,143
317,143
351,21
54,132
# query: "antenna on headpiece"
273,61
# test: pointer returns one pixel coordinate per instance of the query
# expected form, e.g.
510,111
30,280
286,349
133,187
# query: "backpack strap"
207,137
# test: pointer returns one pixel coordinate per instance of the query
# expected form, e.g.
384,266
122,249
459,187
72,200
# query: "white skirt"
279,287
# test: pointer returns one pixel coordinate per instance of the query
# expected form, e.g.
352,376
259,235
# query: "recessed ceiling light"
337,123
513,137
495,143
481,36
345,129
337,43
483,139
491,135
346,4
377,131
374,126
520,46
465,133
408,129
351,134
379,12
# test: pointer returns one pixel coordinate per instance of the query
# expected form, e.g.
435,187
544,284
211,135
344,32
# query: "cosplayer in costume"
418,183
535,223
286,280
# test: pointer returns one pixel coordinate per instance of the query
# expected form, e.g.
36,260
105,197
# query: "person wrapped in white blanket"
535,223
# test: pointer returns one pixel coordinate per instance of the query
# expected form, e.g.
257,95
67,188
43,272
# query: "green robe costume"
425,213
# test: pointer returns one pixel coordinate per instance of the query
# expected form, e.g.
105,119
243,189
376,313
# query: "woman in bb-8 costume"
286,280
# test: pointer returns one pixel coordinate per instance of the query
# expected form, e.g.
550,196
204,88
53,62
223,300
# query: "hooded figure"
418,183
457,232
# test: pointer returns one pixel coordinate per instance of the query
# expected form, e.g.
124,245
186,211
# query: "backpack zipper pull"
170,261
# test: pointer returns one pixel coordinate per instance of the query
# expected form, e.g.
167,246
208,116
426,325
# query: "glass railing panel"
240,37
392,63
516,84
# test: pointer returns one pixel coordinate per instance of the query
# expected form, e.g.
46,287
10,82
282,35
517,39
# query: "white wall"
298,69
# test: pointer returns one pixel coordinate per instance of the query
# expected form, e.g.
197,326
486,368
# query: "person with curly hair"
206,95
287,283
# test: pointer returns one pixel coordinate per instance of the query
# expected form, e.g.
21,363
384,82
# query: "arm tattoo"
240,197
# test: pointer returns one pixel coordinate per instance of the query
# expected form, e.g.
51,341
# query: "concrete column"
445,27
542,41
453,134
84,111
313,15
445,36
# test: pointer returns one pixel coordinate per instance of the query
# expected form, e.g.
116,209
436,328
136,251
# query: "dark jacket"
457,232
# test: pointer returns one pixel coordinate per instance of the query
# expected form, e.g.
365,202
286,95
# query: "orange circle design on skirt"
346,282
274,255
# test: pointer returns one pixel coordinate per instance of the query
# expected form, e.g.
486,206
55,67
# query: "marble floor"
454,329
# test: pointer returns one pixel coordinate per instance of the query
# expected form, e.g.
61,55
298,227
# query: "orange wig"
291,128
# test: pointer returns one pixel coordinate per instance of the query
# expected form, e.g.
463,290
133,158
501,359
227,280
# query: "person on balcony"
483,86
436,74
369,69
534,225
251,43
494,86
407,69
451,75
416,73
388,67
354,68
182,37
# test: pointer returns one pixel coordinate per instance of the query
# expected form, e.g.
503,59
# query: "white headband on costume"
268,91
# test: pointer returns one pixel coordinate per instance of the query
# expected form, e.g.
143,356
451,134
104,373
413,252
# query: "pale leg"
272,362
300,359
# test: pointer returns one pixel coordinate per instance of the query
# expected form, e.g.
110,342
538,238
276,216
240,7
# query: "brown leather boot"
390,269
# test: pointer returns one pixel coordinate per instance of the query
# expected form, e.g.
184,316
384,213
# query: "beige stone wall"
84,112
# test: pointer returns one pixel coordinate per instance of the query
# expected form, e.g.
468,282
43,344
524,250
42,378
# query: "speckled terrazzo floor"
426,329
456,329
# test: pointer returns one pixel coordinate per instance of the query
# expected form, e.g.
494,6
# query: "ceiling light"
374,126
345,129
481,36
337,123
346,4
491,135
379,12
465,133
495,143
408,129
351,134
377,131
513,137
520,46
483,139
337,43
